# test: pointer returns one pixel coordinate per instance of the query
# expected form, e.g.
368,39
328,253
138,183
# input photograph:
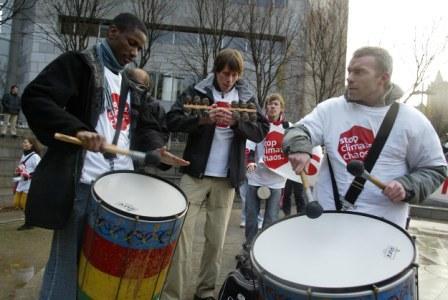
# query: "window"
237,43
263,2
167,87
281,3
186,38
165,37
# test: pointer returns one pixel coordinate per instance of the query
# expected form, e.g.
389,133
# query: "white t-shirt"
218,159
32,160
94,163
347,131
263,176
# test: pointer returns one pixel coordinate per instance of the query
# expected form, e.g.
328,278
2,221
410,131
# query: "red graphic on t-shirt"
225,105
312,168
355,143
273,153
112,115
445,187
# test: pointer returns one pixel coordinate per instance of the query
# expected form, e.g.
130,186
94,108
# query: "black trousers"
297,188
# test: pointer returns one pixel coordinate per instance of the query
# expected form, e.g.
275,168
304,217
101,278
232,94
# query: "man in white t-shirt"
411,163
215,148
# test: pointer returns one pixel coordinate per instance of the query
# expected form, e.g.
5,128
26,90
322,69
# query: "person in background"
11,109
242,191
411,163
259,175
32,153
152,126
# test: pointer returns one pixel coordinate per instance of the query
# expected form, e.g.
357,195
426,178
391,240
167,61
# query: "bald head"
139,76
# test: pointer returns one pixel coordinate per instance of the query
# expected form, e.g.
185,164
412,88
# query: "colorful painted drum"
130,236
340,255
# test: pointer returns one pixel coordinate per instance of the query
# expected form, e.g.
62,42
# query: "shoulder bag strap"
357,184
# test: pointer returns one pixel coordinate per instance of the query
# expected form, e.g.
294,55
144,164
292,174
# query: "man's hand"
395,191
91,141
224,117
251,167
220,115
299,161
169,158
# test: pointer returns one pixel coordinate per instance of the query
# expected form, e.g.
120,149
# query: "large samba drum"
130,237
340,255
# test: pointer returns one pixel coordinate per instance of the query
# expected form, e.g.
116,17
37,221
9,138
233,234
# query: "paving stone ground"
26,252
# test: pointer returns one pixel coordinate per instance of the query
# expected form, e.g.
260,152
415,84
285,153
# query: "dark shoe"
196,297
14,136
25,227
2,135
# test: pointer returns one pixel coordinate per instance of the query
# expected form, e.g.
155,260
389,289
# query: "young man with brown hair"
215,148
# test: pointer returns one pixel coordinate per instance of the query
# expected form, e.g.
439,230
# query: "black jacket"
200,137
66,97
11,104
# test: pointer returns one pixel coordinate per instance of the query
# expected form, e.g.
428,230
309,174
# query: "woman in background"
28,163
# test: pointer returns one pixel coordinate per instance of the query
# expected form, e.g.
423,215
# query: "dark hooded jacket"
200,137
67,97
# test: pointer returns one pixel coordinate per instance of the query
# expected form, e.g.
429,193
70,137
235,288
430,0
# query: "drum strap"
337,201
121,105
357,184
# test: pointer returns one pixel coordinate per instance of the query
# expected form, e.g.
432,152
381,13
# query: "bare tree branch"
152,13
10,8
424,56
75,22
325,35
212,19
271,33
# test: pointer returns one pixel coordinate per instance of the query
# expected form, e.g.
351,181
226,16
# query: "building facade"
33,46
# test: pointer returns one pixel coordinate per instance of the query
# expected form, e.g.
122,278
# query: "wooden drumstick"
194,106
313,209
109,148
356,168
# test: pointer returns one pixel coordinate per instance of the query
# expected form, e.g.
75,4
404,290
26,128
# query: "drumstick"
109,148
150,158
198,106
356,168
313,209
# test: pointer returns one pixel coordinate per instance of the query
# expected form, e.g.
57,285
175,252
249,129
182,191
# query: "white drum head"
140,195
334,251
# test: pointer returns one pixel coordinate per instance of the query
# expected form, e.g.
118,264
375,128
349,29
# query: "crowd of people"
86,94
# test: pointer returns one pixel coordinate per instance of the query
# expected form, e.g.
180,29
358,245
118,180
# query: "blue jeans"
243,192
61,273
253,208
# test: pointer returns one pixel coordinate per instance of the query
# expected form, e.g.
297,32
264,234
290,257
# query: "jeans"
10,119
243,192
253,208
61,273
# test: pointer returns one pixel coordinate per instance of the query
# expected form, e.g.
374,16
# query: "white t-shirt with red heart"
347,130
94,163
